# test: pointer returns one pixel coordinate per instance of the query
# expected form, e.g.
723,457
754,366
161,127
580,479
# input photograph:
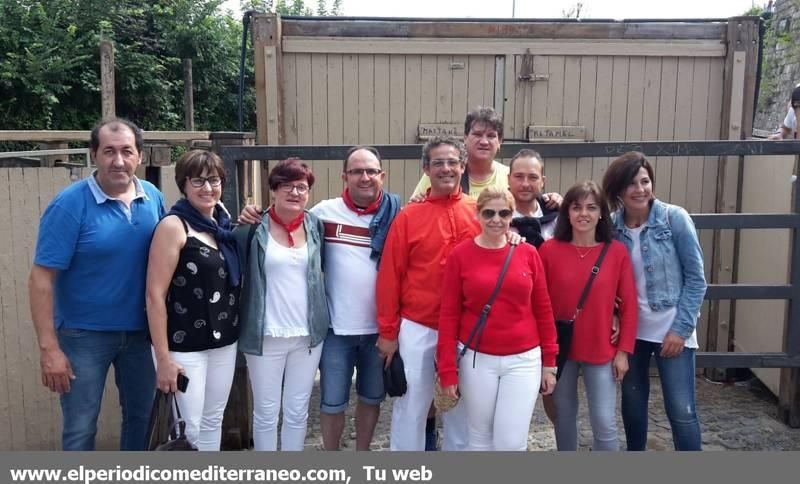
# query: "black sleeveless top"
202,306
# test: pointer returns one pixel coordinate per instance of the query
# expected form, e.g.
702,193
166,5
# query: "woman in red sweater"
501,372
582,230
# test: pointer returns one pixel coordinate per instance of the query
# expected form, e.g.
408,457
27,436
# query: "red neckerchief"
372,208
291,226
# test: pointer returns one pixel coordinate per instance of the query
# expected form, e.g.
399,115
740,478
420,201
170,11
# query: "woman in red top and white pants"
583,228
501,373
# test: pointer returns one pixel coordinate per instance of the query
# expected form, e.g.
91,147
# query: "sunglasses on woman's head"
489,214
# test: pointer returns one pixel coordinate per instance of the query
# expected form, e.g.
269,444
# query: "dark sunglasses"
489,214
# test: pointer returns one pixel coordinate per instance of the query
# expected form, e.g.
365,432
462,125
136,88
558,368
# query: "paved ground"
737,416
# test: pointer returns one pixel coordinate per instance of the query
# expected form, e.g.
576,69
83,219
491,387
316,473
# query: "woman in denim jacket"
284,312
670,282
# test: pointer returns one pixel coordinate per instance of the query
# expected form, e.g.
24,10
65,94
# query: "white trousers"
499,394
409,412
286,368
210,374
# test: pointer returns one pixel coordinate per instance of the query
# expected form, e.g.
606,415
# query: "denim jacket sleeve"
690,254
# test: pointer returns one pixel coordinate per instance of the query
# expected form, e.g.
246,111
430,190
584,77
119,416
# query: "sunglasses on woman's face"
489,214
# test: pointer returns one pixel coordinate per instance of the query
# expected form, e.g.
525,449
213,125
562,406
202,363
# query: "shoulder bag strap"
478,328
595,270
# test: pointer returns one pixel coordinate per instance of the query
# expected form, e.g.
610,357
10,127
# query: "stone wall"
781,66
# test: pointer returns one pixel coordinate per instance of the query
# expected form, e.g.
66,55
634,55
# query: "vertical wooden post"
789,386
269,82
737,123
239,185
107,96
188,95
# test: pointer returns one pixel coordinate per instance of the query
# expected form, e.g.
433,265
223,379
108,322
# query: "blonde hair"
494,193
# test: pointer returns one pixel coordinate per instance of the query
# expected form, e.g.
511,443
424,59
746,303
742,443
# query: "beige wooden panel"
305,110
602,111
476,87
569,115
383,113
319,127
460,105
366,99
469,46
511,129
290,98
428,89
11,409
586,111
697,131
335,120
168,187
683,119
394,180
635,113
555,115
764,258
650,98
413,116
444,90
619,98
666,124
523,93
350,98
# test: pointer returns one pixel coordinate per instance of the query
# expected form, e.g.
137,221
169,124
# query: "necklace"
582,255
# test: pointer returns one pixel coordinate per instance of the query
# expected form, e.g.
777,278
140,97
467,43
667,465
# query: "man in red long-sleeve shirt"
408,297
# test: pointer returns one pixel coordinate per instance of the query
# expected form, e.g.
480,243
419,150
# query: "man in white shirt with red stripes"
356,225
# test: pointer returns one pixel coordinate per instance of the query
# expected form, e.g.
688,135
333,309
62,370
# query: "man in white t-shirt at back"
356,225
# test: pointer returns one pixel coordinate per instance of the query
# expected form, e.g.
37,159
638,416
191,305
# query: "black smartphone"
183,382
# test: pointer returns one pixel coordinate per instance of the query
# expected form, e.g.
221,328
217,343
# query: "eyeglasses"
288,187
359,172
199,181
488,213
451,163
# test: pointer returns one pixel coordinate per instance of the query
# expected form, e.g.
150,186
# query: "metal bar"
749,291
746,220
556,150
746,360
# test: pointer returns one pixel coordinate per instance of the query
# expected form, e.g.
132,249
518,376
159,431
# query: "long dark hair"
576,193
620,174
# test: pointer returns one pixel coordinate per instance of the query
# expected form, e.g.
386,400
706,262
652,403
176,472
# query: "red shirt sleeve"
629,306
390,279
449,320
542,311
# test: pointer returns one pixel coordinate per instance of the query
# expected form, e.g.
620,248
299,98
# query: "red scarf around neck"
291,226
371,209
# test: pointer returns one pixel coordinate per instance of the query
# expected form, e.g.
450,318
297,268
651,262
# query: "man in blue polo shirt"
87,289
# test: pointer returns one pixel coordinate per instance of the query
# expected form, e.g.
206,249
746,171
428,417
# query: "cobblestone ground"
737,416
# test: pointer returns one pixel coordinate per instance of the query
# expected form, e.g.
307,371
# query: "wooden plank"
274,116
697,131
683,115
335,120
635,113
319,123
510,128
394,180
413,116
537,95
107,97
10,382
602,111
460,88
523,93
448,28
467,46
569,115
475,81
444,90
366,99
290,99
24,432
350,97
383,113
650,98
305,109
666,123
428,97
586,108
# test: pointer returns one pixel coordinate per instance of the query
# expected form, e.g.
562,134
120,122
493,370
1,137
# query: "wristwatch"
550,369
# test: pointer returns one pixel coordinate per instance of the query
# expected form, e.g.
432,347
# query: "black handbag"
167,431
394,377
566,327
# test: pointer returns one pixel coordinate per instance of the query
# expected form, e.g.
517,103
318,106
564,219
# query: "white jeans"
287,366
409,412
210,374
499,394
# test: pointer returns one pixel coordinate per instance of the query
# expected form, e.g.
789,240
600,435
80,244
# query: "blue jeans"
90,354
601,396
341,354
677,384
